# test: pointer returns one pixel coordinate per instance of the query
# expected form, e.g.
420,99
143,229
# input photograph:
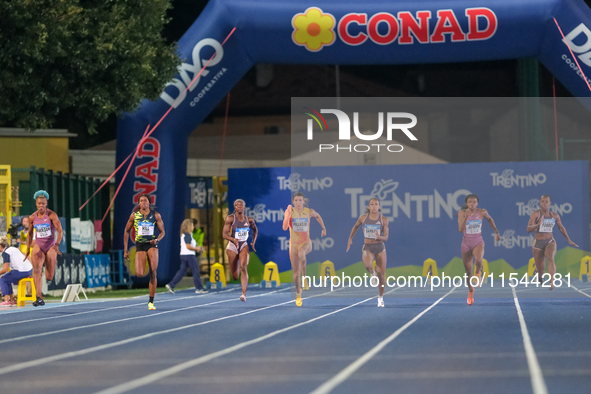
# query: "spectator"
189,249
19,267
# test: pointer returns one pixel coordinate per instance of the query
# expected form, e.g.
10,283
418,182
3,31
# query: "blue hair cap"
41,193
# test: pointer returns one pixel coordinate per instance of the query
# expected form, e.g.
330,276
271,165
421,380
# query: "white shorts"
232,247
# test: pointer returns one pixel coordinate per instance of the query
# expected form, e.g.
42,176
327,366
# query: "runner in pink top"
542,221
46,248
470,224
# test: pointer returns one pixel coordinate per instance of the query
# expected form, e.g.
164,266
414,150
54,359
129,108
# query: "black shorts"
375,249
144,246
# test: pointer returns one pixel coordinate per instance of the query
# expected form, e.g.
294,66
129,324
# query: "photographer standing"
23,234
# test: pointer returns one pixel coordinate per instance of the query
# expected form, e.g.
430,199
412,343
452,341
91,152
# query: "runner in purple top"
470,224
45,222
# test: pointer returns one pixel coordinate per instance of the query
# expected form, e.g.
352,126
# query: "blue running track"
510,341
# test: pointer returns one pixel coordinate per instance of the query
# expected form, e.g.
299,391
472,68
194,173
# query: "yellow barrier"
327,269
430,268
585,262
218,276
270,275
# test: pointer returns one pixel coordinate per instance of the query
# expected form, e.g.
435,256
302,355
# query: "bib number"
43,230
242,234
547,225
146,228
299,225
474,227
371,231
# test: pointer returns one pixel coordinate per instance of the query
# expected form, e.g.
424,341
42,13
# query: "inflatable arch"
242,33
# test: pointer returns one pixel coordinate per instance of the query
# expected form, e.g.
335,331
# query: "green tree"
80,59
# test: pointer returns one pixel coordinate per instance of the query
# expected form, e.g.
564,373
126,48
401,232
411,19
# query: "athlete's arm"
255,232
316,215
386,231
287,218
490,220
226,230
160,225
563,230
354,230
60,232
462,219
128,227
531,225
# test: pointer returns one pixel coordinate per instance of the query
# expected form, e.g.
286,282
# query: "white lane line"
580,291
56,304
63,356
143,381
339,378
537,379
86,312
42,334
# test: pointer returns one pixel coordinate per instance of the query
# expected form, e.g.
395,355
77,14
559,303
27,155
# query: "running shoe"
170,289
243,297
39,302
380,302
5,303
151,306
201,291
298,300
374,281
13,303
470,297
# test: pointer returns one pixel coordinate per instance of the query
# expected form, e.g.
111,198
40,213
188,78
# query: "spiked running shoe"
151,306
471,297
39,302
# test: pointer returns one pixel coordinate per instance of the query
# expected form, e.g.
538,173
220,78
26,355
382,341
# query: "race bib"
547,225
145,228
371,231
43,230
474,226
299,224
242,234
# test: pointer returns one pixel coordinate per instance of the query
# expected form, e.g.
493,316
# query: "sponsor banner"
69,269
200,192
98,236
98,270
421,203
241,34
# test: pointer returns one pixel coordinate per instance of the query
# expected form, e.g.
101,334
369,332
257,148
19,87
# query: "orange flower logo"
313,29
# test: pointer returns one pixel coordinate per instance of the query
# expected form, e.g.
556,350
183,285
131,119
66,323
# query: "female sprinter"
375,232
144,219
297,219
470,223
236,230
46,248
542,222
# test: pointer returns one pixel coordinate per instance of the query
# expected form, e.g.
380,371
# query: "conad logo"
188,71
